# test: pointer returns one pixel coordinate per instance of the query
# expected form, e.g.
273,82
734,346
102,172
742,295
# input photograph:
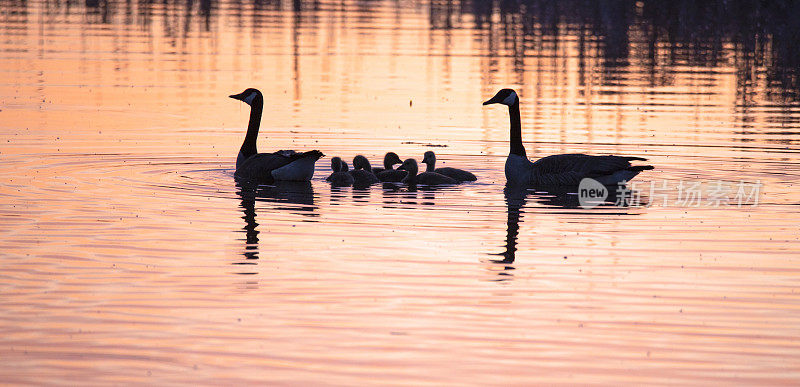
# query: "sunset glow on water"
130,255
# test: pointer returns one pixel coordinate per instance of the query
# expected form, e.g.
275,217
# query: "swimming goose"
424,178
362,172
339,177
459,175
389,160
388,174
269,167
559,170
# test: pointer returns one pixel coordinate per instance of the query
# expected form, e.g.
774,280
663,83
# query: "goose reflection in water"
361,194
294,197
561,198
398,196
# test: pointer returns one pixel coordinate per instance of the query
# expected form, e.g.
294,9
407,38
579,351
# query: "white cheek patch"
510,99
250,98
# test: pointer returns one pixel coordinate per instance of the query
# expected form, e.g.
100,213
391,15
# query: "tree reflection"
658,35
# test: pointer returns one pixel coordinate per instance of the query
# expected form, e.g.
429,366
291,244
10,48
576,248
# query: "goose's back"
582,163
391,175
570,169
259,166
456,174
362,177
433,178
340,179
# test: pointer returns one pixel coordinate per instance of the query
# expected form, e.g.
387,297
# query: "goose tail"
315,154
639,168
619,176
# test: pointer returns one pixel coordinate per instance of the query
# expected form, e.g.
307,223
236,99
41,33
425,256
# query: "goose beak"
498,98
236,96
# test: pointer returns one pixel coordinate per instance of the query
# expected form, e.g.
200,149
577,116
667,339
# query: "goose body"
563,169
283,165
459,175
362,172
388,174
389,160
340,177
392,175
424,178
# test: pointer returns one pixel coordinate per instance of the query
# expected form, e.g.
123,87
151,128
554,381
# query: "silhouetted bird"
555,170
269,167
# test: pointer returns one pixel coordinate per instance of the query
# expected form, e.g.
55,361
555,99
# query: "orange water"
129,255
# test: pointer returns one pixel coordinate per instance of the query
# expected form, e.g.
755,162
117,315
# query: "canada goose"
424,178
362,172
269,167
340,177
389,160
459,175
387,174
559,170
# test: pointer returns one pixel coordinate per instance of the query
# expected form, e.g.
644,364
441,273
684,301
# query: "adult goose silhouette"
559,170
269,167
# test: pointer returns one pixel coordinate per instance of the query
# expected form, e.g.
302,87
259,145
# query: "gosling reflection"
396,196
295,197
361,194
403,196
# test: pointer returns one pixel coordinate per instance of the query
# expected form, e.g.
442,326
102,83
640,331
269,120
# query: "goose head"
391,159
410,166
336,164
249,96
506,97
361,162
429,158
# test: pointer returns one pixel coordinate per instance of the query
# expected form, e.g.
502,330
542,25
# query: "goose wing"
362,177
391,175
340,179
259,166
433,178
569,169
456,174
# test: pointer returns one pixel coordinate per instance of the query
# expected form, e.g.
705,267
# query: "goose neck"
249,144
516,131
411,176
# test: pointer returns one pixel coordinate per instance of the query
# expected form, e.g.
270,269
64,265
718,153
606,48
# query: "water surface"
130,254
